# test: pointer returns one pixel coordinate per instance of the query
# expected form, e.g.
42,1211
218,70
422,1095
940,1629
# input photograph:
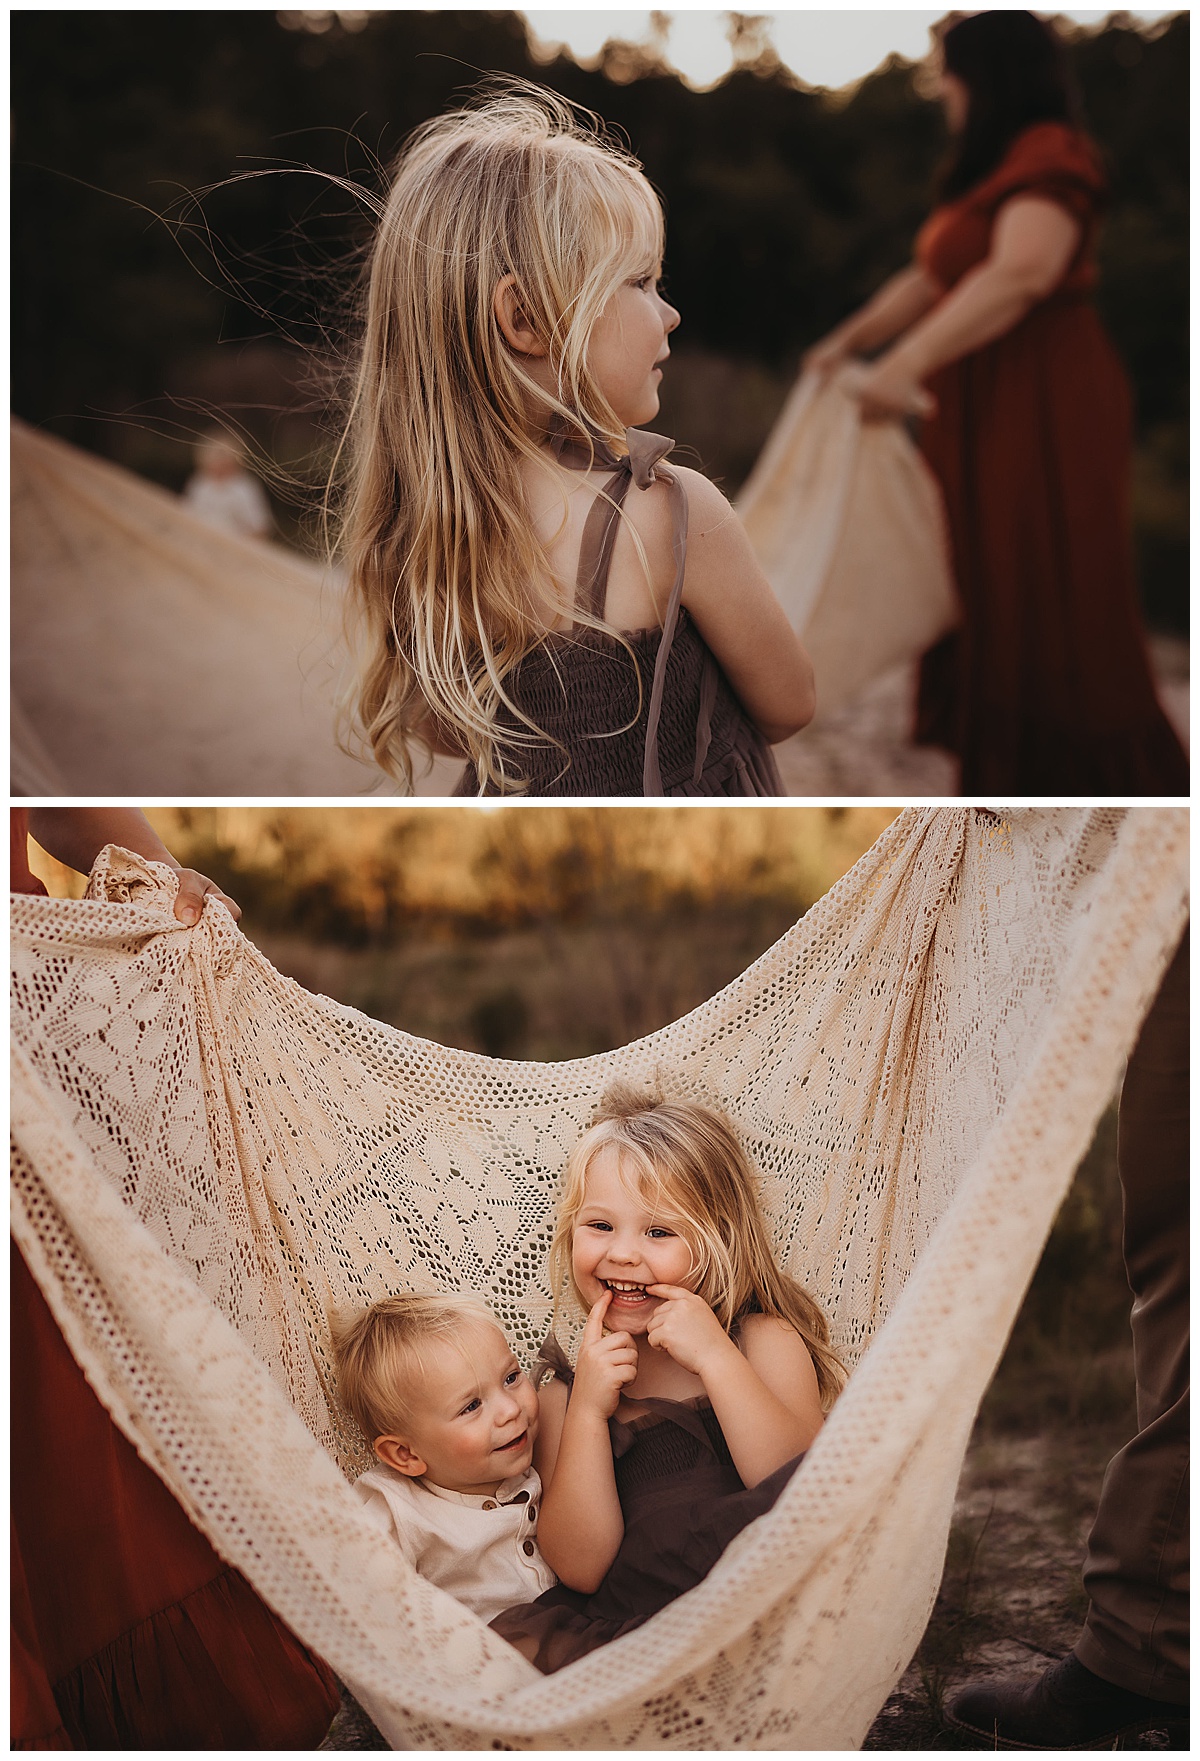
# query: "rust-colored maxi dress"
1046,687
128,1631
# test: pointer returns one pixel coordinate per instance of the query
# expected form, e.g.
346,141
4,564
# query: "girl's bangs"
633,212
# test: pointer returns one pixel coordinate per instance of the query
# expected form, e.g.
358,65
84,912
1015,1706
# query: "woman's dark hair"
1015,72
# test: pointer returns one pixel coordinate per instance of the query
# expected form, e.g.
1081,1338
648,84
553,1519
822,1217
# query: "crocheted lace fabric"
208,1159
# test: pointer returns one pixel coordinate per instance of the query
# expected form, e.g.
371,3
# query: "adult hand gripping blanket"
208,1160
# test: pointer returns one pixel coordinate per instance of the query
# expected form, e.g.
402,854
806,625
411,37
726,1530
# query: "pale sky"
821,48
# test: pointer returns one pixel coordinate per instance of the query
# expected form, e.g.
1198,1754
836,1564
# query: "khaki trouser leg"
1136,1574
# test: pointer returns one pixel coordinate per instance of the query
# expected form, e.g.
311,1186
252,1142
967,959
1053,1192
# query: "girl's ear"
515,327
394,1452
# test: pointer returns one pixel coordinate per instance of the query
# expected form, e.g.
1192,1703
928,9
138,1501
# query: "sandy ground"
1011,1599
865,748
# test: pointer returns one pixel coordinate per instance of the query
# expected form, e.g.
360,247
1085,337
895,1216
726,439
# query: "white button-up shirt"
484,1551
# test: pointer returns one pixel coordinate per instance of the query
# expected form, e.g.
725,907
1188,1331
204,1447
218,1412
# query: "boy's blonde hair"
380,1354
447,577
691,1168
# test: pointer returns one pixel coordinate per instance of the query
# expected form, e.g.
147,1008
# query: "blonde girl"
702,1376
535,590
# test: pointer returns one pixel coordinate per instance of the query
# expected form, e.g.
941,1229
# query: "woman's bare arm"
1033,242
76,836
902,299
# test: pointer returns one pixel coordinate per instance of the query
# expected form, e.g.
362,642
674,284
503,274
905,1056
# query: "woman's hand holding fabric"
1033,243
889,390
194,888
901,301
76,836
826,356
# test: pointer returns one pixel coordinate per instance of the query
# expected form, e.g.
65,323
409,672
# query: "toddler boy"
431,1381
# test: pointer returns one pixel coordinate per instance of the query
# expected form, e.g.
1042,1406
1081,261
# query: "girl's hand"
686,1329
606,1362
889,391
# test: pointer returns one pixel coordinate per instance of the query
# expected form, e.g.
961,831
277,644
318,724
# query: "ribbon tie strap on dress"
641,465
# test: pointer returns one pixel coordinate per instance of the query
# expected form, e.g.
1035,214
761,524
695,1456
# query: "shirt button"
532,1511
529,1548
489,1504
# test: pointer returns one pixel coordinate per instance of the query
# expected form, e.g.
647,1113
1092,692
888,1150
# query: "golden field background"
523,931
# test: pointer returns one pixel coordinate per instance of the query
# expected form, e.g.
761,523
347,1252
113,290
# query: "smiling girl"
537,592
702,1377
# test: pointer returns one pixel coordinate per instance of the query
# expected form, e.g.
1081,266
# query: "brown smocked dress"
683,1502
650,713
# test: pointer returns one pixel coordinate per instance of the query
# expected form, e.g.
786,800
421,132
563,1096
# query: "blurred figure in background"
224,493
1046,686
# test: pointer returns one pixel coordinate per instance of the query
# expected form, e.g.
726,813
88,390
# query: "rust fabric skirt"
1046,687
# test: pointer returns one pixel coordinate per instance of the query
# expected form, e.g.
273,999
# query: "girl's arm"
765,1395
581,1526
901,300
738,615
75,836
1033,242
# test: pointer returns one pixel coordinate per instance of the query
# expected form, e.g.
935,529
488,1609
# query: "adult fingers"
192,891
189,898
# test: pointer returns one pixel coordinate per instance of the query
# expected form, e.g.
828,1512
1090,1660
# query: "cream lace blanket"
847,521
208,1158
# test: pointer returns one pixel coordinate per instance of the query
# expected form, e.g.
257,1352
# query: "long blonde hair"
444,564
691,1167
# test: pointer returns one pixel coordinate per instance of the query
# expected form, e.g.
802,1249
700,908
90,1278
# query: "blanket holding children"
210,1163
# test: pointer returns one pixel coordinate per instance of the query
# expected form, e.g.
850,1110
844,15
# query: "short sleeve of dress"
1055,162
551,1364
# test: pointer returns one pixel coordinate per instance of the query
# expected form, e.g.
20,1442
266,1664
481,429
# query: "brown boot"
1067,1707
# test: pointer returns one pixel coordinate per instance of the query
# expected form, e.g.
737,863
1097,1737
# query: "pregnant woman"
1046,686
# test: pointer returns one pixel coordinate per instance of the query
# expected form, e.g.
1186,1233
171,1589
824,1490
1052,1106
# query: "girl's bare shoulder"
769,1337
715,539
708,506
